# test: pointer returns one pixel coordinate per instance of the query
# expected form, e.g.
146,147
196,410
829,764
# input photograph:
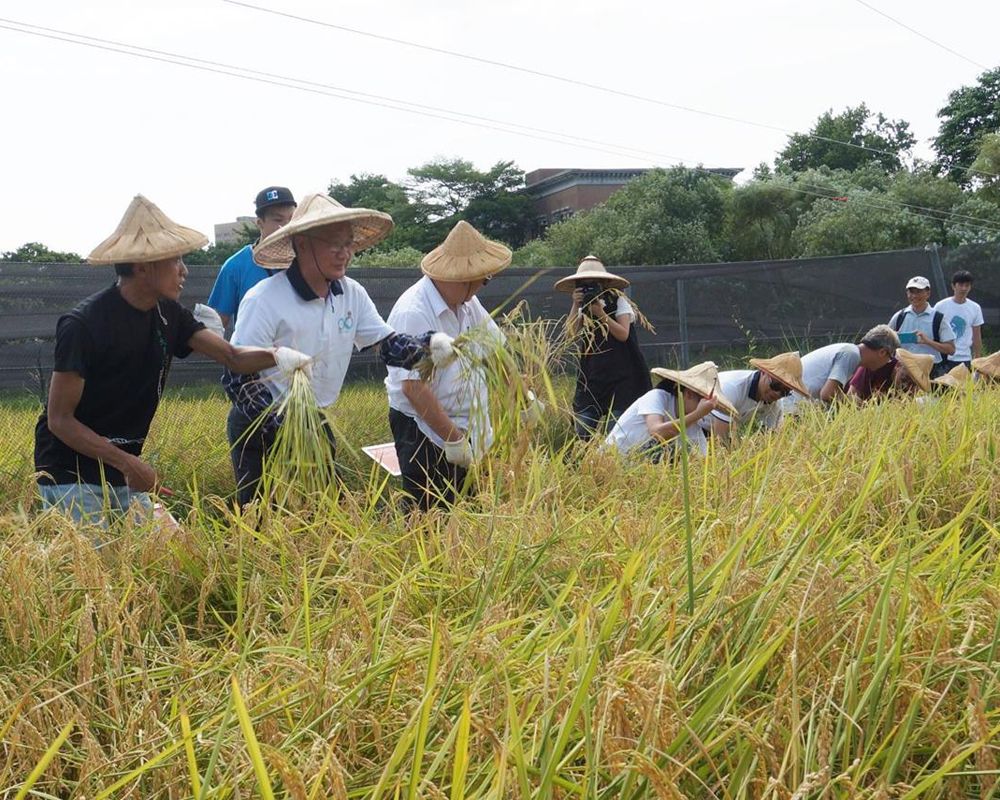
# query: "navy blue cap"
273,196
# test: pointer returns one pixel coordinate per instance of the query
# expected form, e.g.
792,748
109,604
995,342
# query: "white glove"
210,318
442,352
459,453
533,412
289,361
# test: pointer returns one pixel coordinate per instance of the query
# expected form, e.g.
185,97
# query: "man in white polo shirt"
755,393
965,317
313,303
921,329
440,427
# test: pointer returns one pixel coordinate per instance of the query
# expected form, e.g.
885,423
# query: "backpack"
936,320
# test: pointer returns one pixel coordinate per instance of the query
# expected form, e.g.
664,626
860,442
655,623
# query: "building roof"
541,182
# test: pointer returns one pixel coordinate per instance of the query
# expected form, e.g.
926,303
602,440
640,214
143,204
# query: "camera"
591,290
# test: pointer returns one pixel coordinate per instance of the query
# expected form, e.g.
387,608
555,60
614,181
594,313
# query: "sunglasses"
780,389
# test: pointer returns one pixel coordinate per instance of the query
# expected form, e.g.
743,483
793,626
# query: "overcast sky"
85,129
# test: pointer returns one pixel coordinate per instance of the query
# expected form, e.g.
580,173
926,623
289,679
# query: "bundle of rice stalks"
300,469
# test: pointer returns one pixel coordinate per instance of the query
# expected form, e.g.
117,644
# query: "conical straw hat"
590,269
919,366
465,255
702,378
786,367
145,234
988,365
954,377
317,211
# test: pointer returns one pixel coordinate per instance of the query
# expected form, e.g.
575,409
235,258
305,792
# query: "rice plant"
534,641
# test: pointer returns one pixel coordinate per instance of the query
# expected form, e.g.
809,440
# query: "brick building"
559,193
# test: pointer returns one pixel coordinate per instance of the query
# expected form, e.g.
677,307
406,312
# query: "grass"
537,641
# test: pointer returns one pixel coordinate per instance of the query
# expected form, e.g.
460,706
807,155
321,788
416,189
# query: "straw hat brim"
568,284
679,378
987,365
368,228
788,380
913,366
954,378
146,234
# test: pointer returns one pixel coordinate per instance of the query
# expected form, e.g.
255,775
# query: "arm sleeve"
947,332
254,327
842,369
412,324
977,318
404,350
187,326
225,293
74,347
624,308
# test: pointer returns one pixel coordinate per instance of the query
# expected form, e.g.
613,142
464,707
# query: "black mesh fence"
698,311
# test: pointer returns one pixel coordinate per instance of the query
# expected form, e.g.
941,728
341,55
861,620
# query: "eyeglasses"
332,245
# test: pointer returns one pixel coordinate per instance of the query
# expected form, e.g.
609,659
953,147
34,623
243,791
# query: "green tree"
452,189
976,220
664,217
761,219
970,113
859,222
404,257
889,141
986,168
37,253
368,190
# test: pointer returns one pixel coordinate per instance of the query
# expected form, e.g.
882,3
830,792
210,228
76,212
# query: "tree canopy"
971,113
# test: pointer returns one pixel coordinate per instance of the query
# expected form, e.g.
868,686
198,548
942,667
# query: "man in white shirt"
965,317
313,304
921,329
755,393
442,426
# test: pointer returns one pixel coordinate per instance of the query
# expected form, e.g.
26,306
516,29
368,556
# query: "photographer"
612,373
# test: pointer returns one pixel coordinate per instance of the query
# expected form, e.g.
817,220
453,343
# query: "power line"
220,68
561,78
923,36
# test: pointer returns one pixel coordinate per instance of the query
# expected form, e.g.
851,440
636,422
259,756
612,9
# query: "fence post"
941,286
682,323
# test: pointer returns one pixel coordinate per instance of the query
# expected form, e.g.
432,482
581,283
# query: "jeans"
87,502
428,477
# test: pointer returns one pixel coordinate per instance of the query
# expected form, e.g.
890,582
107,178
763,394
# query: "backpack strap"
897,320
936,325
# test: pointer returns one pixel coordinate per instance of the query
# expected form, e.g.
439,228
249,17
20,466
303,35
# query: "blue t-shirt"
238,275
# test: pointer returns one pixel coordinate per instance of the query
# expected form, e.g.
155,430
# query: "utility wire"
136,51
564,79
923,36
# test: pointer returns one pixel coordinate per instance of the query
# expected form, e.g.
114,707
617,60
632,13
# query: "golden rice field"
539,640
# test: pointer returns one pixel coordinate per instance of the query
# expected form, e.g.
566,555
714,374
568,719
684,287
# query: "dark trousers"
249,446
428,477
942,367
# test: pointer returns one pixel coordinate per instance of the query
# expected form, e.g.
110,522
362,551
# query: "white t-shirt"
630,431
735,386
835,362
462,393
274,313
962,317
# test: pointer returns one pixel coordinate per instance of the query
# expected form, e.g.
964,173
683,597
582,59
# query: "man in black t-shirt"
113,353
